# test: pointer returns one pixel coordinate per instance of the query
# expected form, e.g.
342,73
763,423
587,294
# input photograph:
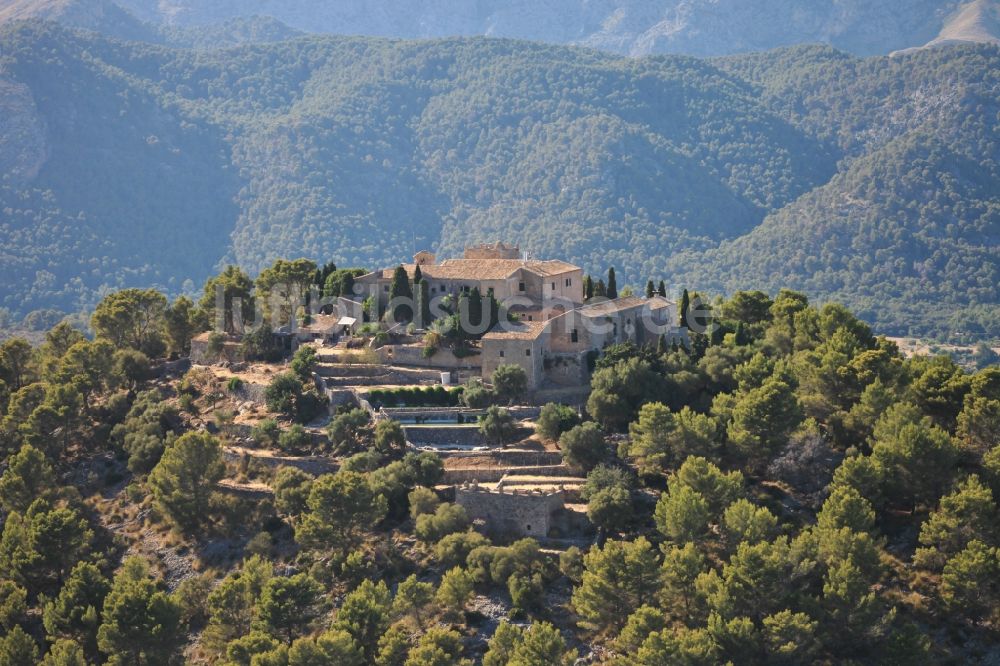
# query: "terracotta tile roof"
659,302
484,269
610,307
525,330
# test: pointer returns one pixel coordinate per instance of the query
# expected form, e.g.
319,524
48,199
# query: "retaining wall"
494,474
315,465
442,358
433,435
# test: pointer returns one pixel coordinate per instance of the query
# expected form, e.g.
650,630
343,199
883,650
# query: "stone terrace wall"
375,375
431,435
315,465
494,474
442,358
505,457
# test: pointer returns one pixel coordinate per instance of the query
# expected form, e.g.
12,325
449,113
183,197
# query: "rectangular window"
553,286
569,282
527,352
501,353
520,286
385,288
575,336
529,318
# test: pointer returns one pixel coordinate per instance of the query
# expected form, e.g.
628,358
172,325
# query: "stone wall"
514,513
506,457
442,358
529,354
376,375
443,435
315,465
494,474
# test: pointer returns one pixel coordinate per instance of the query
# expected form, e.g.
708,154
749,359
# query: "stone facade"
523,346
496,269
514,513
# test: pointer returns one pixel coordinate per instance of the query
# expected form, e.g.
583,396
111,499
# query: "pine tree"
612,284
365,615
289,605
141,622
618,579
183,482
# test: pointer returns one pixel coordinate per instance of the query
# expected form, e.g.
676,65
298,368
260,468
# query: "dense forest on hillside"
785,490
873,181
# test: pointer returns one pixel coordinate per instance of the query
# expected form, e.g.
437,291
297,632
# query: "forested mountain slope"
360,150
633,27
909,229
875,180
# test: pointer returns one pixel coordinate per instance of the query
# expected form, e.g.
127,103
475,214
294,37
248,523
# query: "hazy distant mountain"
977,21
633,27
873,181
111,19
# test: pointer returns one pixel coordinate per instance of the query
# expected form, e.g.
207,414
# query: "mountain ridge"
627,27
363,150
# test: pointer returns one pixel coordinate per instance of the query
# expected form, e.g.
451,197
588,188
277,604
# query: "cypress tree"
417,275
475,302
662,290
685,305
742,338
650,289
348,288
588,287
612,284
717,335
424,304
494,305
600,289
401,289
661,346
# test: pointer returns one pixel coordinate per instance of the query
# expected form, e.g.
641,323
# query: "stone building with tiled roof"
489,268
557,331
